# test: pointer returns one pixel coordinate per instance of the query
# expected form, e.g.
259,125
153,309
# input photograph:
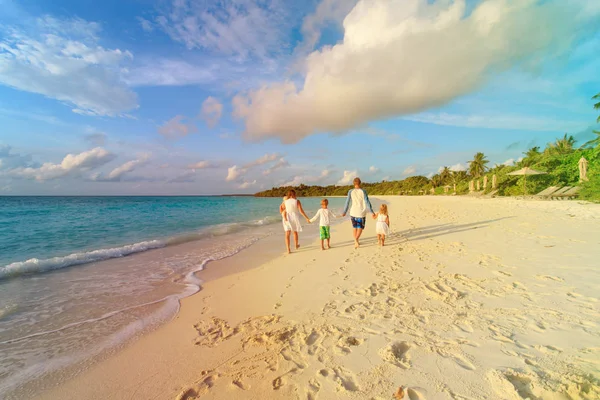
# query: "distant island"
559,160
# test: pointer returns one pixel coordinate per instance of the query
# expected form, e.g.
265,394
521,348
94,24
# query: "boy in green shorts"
325,216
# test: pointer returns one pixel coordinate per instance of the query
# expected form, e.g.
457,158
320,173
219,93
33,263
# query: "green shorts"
324,232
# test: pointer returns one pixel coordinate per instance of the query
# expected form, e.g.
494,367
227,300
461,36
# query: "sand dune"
470,299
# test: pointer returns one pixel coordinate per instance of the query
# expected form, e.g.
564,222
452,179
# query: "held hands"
374,215
343,215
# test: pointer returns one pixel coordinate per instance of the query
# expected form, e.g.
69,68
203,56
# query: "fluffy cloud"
307,179
400,57
61,59
211,111
347,178
458,167
373,169
327,11
235,172
72,164
200,165
509,163
176,128
282,163
246,185
267,158
232,27
409,170
117,174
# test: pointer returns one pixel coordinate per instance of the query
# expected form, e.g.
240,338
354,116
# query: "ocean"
81,275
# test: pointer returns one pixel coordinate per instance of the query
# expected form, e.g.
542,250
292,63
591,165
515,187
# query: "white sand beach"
470,299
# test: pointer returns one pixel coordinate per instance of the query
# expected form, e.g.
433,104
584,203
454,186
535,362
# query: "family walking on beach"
357,201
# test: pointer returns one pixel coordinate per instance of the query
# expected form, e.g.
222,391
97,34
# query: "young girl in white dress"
383,224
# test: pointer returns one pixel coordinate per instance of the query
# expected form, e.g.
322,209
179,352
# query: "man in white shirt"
358,212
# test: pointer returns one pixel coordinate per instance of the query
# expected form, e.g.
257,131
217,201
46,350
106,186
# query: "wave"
35,265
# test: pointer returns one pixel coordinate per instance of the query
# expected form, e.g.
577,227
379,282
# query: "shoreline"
185,355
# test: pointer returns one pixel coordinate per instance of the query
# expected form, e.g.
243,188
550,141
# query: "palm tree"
597,105
436,180
477,167
445,174
562,146
594,143
531,156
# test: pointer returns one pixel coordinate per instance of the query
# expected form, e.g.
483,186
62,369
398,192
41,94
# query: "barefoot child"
325,215
383,224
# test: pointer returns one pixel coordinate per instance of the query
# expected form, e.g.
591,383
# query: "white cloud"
118,173
395,51
232,27
267,158
327,11
233,173
146,25
509,163
61,59
168,72
282,163
236,173
308,179
246,185
347,178
409,170
211,111
458,167
200,165
373,169
70,165
176,128
430,175
385,178
498,122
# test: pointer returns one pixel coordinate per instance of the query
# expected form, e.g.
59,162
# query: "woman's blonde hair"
383,209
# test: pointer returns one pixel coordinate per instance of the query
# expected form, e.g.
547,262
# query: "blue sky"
235,96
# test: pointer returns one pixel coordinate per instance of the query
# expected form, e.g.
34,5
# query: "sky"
183,97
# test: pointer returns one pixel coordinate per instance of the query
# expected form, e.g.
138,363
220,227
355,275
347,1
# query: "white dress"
382,227
293,215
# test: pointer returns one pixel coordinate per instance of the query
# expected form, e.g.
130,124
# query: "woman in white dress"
293,209
383,224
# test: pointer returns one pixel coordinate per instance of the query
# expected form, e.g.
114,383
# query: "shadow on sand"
426,232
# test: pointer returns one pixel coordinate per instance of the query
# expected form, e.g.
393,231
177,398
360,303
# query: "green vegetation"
559,159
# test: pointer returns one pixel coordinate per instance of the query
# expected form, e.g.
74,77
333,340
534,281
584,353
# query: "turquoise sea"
79,275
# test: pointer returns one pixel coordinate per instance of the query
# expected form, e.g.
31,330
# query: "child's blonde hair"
325,201
383,209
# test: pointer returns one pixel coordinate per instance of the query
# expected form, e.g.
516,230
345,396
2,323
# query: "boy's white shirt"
325,216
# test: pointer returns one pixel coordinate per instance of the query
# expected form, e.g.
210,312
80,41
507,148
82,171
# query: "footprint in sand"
414,394
458,359
397,354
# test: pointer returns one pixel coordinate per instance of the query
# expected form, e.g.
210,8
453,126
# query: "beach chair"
547,192
559,193
569,194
